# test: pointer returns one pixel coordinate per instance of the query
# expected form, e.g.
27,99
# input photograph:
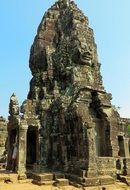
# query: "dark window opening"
121,146
31,146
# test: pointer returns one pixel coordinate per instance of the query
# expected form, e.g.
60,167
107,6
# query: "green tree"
128,129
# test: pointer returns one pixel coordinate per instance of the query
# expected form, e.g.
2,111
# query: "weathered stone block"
91,182
62,182
106,180
43,177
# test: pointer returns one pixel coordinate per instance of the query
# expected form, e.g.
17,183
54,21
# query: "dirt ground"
8,181
29,186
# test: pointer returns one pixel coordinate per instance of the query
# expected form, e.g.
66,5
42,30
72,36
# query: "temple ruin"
67,127
3,142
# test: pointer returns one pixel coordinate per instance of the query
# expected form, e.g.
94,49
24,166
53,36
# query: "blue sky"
110,21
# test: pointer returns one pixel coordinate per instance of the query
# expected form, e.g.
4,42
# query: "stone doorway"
103,145
12,138
102,127
31,147
121,152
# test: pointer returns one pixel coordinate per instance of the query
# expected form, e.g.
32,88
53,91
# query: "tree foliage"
128,129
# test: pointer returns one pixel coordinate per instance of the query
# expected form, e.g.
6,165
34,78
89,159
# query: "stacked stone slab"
67,123
3,139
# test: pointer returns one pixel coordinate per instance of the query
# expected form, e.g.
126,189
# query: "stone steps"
92,181
100,180
58,175
74,178
57,179
62,182
60,179
42,178
52,182
106,180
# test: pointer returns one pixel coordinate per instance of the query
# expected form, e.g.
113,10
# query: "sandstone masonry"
67,124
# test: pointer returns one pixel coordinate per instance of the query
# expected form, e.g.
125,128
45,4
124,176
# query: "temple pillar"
89,126
112,120
92,166
22,150
126,147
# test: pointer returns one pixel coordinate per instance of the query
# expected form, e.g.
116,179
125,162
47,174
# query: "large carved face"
83,55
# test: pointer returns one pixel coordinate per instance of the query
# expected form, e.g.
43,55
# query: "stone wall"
3,139
106,166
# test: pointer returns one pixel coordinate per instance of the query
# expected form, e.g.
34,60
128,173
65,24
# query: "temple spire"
65,2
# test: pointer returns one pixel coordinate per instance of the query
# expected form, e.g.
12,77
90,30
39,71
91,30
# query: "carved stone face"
13,106
83,55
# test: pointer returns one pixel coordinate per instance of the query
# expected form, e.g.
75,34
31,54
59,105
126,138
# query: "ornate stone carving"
68,113
83,55
13,106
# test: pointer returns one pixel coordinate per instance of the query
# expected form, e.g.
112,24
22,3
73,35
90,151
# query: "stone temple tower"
67,123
